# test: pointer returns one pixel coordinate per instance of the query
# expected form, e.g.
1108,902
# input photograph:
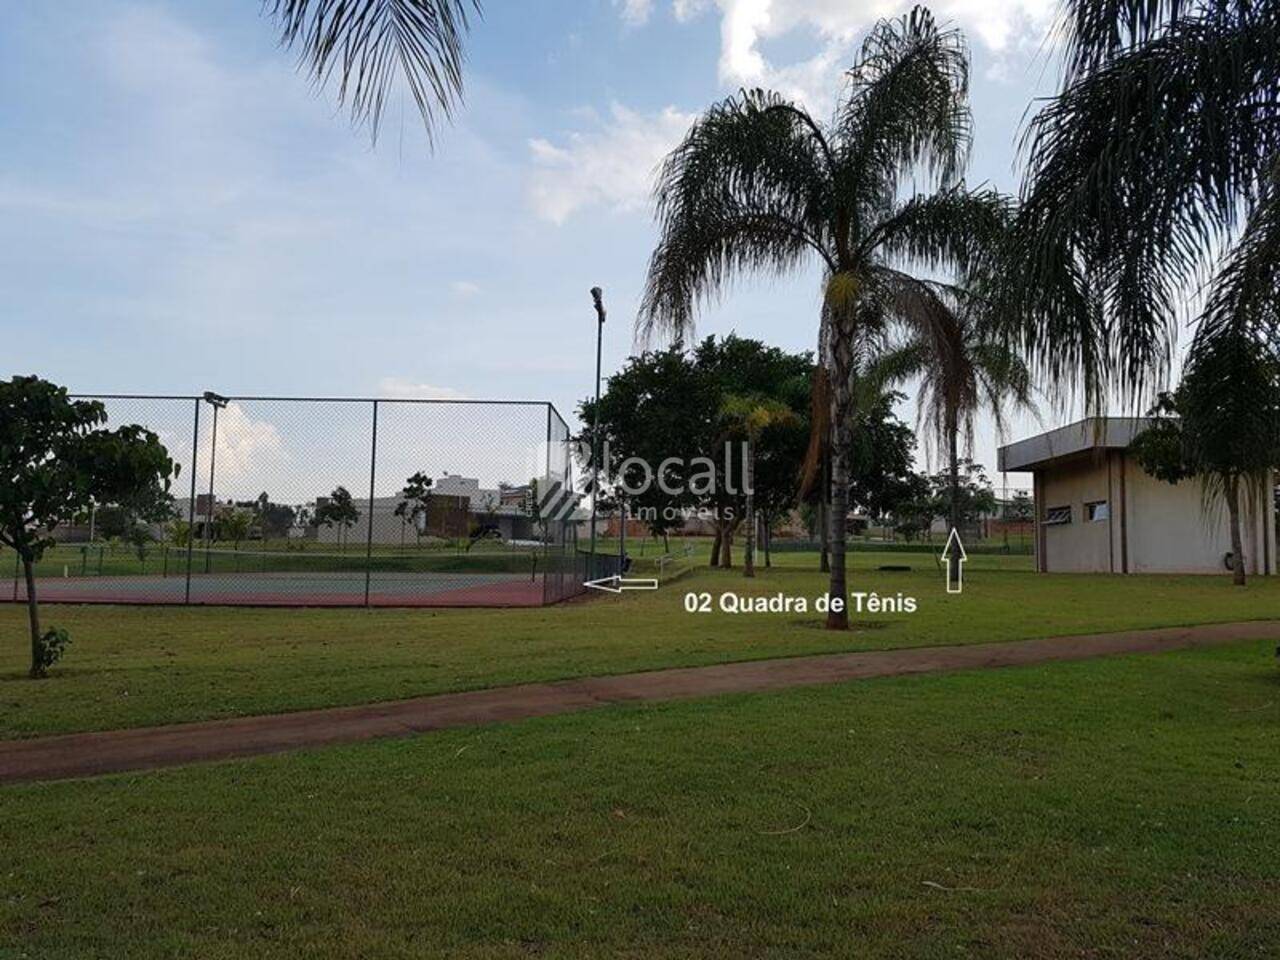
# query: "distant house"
446,516
1098,511
458,506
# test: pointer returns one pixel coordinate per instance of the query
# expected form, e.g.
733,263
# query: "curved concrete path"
144,748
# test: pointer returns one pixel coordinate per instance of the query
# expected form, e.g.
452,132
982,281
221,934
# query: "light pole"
218,402
597,297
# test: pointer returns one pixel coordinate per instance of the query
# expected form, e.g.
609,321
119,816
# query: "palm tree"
370,45
749,417
1161,153
966,368
760,186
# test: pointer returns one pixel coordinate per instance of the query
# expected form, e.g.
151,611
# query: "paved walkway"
115,751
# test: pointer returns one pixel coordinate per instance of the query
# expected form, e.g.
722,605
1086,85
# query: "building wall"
1151,526
1170,532
1081,545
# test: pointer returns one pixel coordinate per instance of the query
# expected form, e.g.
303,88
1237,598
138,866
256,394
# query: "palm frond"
1096,31
1138,172
954,228
907,105
748,189
371,45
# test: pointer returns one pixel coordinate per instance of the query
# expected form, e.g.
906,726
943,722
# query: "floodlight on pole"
218,402
597,298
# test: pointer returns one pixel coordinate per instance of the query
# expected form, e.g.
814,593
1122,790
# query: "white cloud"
611,166
248,451
745,25
635,12
400,388
464,289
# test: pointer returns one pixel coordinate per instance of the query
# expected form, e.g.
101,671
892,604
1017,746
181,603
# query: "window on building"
1055,516
1098,511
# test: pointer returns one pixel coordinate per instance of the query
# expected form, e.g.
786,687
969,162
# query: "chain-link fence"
334,502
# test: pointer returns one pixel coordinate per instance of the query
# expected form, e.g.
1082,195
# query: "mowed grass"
1115,808
133,666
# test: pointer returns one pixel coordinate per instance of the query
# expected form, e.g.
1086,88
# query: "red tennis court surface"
285,590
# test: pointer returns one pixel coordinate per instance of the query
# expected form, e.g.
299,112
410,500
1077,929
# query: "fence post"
191,508
208,517
373,468
540,494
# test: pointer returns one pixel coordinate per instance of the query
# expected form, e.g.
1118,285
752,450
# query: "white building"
1098,511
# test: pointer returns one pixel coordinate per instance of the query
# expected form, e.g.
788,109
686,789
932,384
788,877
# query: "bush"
53,647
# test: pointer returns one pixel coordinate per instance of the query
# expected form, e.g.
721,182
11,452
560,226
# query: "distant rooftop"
1094,433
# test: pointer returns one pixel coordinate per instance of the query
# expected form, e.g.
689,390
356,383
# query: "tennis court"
278,578
321,501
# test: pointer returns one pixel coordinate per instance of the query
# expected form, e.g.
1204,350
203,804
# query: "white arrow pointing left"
617,584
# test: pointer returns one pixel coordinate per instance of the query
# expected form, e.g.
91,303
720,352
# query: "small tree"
57,460
338,510
179,532
140,537
234,526
1222,426
1020,509
416,502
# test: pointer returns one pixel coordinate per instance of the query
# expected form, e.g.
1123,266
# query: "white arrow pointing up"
954,584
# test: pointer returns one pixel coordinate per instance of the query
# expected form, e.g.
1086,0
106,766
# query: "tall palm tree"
371,45
1161,153
749,417
966,368
760,186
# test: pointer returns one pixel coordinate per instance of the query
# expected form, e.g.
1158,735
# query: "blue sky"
180,211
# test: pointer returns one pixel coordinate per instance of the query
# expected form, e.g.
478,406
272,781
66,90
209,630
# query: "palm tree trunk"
841,424
749,564
33,617
824,516
953,429
1237,544
716,545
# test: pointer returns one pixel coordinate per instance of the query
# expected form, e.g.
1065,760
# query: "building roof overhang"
1094,434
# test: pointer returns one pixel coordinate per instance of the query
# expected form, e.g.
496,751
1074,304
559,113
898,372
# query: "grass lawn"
132,666
1114,808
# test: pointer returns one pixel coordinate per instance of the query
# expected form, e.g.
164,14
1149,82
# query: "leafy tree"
111,522
657,410
915,507
880,463
179,532
275,520
1020,508
662,413
140,537
1222,426
962,494
759,185
415,502
741,367
234,525
57,459
338,510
